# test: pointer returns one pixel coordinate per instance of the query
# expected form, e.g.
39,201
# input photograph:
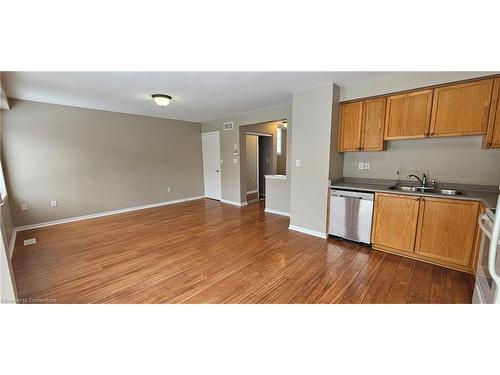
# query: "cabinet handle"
431,134
417,199
426,135
488,144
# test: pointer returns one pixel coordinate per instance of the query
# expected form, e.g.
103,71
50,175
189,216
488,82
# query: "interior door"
210,143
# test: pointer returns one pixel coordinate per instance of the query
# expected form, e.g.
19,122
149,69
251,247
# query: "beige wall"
7,281
311,136
92,161
336,158
454,159
278,194
231,174
251,161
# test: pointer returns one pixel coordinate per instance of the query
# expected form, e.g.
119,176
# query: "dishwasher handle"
352,195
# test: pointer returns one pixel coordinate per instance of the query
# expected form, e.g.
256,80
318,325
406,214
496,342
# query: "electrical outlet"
361,165
297,163
169,188
53,203
24,207
367,165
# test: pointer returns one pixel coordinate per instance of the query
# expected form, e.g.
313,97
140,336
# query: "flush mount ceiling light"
161,99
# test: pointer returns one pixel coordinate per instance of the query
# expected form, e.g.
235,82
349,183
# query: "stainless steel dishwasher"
351,215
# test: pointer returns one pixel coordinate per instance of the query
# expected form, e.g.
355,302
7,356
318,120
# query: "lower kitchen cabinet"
446,229
436,230
395,222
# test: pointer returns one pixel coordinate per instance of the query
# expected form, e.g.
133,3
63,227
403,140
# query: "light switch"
297,163
53,203
367,165
235,161
24,207
361,165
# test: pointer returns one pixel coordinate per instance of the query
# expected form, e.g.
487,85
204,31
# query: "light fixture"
285,124
161,99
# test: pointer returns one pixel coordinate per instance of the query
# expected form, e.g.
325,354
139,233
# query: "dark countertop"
469,192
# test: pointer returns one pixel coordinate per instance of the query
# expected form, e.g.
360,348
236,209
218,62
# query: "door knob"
217,170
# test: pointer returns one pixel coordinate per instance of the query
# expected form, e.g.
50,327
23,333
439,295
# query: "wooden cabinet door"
351,116
395,222
373,125
492,139
446,230
408,115
461,109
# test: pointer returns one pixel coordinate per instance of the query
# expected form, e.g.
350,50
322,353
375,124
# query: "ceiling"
197,96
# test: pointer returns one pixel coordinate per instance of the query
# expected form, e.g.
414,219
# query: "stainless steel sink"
404,188
444,191
419,189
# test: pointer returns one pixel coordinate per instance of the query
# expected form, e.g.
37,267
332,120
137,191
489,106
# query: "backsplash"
454,160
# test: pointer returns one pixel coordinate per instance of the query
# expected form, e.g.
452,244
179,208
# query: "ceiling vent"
228,125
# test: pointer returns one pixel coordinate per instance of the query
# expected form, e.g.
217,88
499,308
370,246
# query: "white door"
210,143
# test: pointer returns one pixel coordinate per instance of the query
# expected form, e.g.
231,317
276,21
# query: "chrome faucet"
423,180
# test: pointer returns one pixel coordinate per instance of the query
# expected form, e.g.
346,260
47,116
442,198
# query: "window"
3,188
278,141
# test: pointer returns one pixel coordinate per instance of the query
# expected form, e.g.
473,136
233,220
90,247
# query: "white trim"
207,133
106,213
252,191
12,243
276,212
275,176
308,231
259,134
239,204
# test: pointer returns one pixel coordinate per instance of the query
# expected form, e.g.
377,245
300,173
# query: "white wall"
312,121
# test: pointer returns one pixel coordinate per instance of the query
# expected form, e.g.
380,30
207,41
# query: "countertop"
486,194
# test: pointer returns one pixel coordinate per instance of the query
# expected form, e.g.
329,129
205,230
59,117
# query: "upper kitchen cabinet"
408,115
492,139
351,116
461,109
372,129
362,126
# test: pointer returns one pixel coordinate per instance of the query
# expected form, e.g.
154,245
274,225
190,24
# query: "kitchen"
433,198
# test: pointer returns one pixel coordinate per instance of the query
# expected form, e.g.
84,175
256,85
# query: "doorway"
210,144
258,156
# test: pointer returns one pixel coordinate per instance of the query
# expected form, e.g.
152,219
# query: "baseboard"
308,231
12,243
276,212
106,213
234,203
252,191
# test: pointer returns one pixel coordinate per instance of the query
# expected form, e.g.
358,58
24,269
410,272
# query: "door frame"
219,198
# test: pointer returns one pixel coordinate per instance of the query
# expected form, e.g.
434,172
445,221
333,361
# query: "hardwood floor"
207,252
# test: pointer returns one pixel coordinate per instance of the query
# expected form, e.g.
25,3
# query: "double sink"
421,189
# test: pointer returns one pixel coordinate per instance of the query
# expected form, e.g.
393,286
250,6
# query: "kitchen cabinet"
436,230
362,125
351,116
446,230
408,115
461,109
492,139
395,221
